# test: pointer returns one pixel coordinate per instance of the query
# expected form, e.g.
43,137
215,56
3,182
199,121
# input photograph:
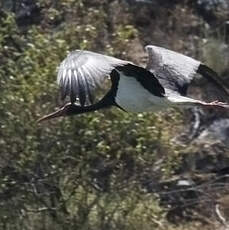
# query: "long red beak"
58,113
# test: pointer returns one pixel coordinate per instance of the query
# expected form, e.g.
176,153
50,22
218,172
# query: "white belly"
133,97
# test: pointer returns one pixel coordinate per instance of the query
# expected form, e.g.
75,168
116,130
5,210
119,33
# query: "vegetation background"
109,169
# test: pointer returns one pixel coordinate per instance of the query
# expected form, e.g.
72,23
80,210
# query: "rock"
217,131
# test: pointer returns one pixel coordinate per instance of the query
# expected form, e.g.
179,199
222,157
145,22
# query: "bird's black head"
73,109
67,110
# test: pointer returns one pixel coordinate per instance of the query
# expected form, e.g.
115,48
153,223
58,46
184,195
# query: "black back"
145,77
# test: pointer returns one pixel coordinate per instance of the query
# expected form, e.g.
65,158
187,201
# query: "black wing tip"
213,77
203,69
148,79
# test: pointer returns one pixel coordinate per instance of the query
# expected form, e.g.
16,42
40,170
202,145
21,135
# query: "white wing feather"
174,70
81,72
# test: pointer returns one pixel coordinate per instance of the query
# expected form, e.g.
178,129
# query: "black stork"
162,84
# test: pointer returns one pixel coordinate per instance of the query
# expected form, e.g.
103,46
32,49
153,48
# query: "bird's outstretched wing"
81,72
175,71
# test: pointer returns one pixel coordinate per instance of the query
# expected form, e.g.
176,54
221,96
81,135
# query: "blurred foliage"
87,172
212,52
93,171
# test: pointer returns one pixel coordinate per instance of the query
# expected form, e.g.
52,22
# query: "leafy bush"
92,171
88,171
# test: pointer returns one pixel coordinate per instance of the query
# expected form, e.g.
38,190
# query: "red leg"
218,104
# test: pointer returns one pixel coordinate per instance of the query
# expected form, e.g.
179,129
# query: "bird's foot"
218,104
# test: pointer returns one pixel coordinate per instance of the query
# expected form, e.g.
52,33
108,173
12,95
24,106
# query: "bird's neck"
105,102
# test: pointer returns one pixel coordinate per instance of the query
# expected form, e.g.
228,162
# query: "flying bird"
162,84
